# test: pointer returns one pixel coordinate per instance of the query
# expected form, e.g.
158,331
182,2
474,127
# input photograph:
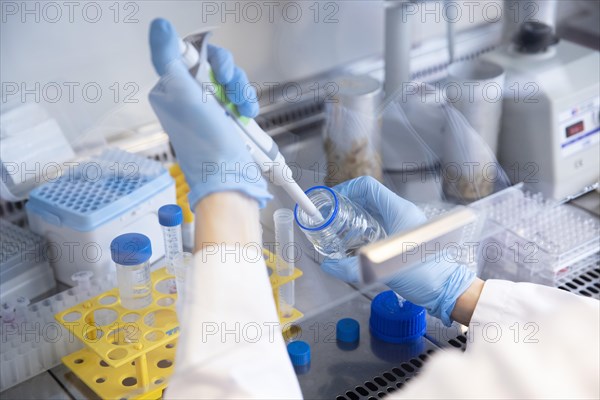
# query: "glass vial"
170,218
131,253
346,227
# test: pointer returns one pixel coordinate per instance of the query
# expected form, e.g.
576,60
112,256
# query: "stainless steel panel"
42,386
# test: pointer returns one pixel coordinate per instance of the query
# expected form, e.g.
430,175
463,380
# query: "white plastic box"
24,270
107,195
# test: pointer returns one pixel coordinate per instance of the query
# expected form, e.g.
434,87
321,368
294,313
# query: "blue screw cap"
170,215
347,330
299,352
131,249
396,320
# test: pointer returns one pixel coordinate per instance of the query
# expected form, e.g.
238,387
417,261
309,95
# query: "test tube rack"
24,267
130,354
33,342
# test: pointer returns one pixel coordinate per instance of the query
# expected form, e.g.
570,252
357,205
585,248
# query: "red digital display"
575,129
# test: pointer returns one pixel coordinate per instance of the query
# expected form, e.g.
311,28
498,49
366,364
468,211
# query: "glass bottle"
346,226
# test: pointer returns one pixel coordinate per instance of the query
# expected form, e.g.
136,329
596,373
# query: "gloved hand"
434,285
211,154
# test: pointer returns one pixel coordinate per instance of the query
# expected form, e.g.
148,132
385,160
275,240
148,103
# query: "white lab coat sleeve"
231,345
524,341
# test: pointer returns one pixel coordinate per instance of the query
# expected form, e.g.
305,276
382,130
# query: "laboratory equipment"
261,146
380,261
534,239
170,218
285,259
34,148
347,330
299,352
352,130
182,264
182,189
482,108
131,253
24,268
38,343
398,43
345,226
396,320
83,210
134,350
126,354
550,135
83,280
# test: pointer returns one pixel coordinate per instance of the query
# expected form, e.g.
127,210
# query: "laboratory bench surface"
372,369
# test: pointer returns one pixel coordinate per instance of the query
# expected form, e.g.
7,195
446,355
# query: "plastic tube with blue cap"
170,218
131,253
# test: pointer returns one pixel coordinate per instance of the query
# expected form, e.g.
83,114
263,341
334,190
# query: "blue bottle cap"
170,215
131,249
347,330
299,352
394,320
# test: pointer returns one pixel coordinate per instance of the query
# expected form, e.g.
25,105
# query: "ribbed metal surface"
388,381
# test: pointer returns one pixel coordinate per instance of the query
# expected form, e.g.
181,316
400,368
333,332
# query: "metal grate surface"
585,281
459,342
388,381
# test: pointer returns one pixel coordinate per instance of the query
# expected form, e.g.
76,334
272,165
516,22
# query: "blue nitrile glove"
211,154
434,285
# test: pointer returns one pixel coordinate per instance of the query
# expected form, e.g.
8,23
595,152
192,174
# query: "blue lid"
394,320
131,249
299,352
347,330
170,215
326,223
99,190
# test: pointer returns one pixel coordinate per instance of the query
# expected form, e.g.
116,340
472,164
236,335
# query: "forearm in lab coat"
231,345
524,341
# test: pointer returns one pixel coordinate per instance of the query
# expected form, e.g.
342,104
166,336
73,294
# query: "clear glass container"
346,226
131,253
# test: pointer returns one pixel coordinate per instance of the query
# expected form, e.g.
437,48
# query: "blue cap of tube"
395,320
170,215
131,249
299,352
347,330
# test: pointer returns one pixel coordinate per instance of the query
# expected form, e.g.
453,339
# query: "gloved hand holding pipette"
228,111
211,156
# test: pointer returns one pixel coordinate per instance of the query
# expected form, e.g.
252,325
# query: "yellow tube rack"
130,354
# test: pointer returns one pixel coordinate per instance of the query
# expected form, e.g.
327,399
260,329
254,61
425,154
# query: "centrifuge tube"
83,279
170,218
183,264
284,251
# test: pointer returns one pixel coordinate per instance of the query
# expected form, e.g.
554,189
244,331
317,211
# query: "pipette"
260,145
